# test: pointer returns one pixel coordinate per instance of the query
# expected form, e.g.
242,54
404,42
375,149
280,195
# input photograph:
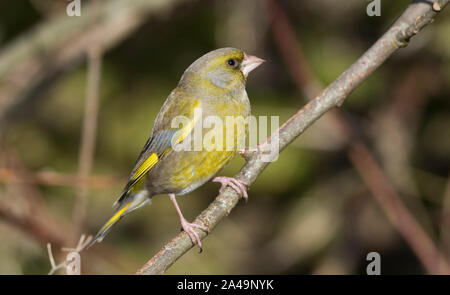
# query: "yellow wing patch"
154,158
145,166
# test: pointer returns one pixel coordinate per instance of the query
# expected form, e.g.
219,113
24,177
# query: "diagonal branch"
358,152
35,60
414,18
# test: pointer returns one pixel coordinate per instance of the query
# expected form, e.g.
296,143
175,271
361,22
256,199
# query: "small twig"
415,17
89,132
35,220
82,243
52,261
58,179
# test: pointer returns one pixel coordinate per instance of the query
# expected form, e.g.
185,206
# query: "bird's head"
224,68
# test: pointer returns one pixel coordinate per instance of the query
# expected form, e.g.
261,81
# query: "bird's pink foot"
238,185
189,229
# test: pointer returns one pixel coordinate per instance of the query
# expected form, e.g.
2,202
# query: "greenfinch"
215,85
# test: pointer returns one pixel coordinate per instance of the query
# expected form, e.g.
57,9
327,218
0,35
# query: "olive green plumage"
215,83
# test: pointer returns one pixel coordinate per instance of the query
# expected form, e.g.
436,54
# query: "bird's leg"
238,185
187,226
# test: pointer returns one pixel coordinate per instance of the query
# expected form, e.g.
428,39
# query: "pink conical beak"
250,63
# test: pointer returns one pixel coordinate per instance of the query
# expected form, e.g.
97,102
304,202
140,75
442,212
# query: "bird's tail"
129,203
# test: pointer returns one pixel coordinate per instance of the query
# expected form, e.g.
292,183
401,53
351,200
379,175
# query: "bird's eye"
231,62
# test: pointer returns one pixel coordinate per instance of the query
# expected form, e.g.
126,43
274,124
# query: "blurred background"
78,96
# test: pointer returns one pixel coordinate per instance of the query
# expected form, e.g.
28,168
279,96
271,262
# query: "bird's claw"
189,229
238,185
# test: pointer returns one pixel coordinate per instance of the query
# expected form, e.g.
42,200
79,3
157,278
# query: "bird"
214,85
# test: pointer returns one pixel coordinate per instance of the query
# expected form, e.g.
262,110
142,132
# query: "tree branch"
358,152
32,62
397,213
89,131
415,17
59,179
